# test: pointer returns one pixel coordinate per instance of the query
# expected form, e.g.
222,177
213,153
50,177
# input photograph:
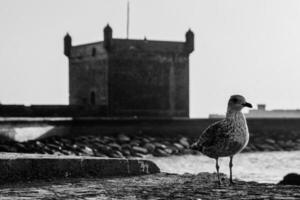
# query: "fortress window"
94,52
93,98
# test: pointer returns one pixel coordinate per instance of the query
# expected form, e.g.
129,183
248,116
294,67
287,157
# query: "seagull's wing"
215,132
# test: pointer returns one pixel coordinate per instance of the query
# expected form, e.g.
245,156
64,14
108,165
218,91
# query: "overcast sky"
247,47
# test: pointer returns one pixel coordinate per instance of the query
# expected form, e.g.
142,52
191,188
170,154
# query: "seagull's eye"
234,100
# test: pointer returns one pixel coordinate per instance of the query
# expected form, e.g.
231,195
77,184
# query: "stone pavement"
156,186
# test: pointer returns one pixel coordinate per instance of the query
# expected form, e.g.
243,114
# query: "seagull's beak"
247,105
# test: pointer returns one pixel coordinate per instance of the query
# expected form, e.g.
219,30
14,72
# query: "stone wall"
13,111
148,84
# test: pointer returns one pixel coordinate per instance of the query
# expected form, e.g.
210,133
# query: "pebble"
123,138
160,153
184,142
271,141
118,154
168,150
140,150
88,151
160,145
179,146
126,153
150,147
115,146
135,142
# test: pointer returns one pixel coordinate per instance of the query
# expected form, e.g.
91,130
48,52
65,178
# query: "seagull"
227,137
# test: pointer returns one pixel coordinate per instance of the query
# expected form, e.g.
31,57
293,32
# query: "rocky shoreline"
125,146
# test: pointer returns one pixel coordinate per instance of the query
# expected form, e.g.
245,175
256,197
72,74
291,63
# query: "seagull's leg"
230,167
218,167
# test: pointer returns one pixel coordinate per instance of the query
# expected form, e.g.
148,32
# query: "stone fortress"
121,78
125,77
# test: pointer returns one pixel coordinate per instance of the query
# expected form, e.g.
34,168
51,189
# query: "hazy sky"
248,47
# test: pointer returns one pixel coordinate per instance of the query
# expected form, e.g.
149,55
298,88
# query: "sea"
263,167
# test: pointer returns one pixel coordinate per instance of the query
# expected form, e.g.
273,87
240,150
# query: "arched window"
94,51
93,98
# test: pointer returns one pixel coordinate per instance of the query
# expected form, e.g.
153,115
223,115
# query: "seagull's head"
237,103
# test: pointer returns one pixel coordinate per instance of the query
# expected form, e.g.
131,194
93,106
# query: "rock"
160,145
126,146
39,144
66,141
184,142
139,155
151,139
290,144
66,152
258,147
160,153
140,150
252,147
107,139
290,179
58,142
104,149
193,152
287,145
270,141
98,154
88,151
76,147
174,149
126,153
146,140
187,151
135,142
169,150
267,147
115,146
69,147
179,146
98,140
150,147
123,138
117,154
53,146
48,150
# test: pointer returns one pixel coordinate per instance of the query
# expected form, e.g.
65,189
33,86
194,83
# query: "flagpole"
127,26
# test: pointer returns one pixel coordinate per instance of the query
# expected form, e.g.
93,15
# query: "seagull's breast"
239,137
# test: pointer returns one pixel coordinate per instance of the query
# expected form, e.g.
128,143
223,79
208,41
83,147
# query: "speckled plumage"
224,138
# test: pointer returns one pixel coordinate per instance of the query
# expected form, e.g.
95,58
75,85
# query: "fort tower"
125,77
